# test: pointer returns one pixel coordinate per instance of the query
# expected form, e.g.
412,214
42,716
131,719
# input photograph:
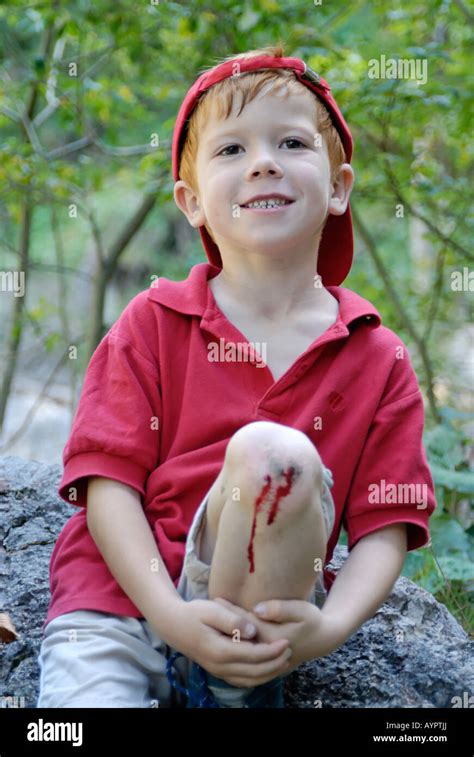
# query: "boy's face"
271,147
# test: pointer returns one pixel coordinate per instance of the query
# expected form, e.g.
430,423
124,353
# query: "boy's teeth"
266,203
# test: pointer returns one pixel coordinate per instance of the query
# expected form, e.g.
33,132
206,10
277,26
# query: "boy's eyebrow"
283,127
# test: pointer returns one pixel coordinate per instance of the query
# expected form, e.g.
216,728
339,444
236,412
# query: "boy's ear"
188,202
341,190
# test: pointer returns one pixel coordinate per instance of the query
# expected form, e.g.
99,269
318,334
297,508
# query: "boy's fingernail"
288,653
260,609
250,629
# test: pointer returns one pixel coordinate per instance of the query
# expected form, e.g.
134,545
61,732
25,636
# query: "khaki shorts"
97,659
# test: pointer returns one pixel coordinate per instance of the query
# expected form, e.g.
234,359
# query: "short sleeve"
392,482
115,432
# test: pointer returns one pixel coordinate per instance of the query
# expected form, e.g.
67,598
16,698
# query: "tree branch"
427,221
70,147
124,151
11,114
392,293
130,229
465,11
52,100
26,424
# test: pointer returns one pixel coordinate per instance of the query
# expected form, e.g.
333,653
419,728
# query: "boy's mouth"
268,204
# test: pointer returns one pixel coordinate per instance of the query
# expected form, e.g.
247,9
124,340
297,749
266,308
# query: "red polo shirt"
156,414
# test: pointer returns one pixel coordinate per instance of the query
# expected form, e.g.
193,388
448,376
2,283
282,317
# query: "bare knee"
265,457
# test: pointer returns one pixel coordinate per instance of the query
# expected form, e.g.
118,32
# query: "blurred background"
89,92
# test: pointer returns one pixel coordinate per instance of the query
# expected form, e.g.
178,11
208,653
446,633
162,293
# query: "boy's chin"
268,251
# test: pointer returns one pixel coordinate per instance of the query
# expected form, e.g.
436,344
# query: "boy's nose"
257,172
265,165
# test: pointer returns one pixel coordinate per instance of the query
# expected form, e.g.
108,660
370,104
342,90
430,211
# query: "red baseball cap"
337,243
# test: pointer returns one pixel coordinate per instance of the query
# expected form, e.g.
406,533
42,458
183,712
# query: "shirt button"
368,317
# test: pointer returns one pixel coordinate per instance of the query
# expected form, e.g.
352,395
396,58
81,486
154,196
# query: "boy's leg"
264,526
263,529
253,450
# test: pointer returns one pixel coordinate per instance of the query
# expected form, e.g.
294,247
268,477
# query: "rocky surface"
413,653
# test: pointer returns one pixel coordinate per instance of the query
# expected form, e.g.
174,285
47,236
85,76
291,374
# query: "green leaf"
51,341
448,535
248,20
460,481
456,568
452,413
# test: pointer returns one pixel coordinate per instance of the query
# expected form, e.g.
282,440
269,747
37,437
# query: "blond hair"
249,84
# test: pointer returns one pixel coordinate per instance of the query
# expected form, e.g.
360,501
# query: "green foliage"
446,568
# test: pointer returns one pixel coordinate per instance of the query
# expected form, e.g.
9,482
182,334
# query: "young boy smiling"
261,161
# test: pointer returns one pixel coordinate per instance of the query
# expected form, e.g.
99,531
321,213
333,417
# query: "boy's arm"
119,527
366,579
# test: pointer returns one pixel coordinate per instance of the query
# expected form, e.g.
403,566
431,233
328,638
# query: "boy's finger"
251,653
235,608
229,622
225,602
258,659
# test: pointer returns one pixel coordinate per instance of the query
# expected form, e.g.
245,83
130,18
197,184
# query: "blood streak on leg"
258,503
282,491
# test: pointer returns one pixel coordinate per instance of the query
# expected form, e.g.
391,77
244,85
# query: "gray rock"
412,653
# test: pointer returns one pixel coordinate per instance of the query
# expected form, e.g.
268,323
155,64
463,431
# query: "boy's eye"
294,139
229,147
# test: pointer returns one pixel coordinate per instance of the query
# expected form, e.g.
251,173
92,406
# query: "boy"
179,407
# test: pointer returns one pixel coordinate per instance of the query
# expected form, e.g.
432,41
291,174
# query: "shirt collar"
193,297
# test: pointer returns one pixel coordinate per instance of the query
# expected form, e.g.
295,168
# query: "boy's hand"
206,634
309,631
